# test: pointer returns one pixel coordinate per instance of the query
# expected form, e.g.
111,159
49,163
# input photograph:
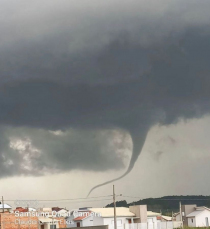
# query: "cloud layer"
96,68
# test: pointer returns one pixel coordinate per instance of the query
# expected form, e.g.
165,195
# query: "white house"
153,217
105,216
62,213
176,216
5,208
165,218
199,218
48,223
101,216
31,209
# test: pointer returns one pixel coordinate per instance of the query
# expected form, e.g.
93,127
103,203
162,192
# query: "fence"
91,227
155,225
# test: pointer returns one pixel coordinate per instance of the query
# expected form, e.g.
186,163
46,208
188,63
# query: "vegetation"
166,204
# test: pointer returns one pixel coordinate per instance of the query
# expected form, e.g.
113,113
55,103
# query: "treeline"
166,204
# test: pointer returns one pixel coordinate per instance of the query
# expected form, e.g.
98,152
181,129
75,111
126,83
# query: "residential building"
20,209
105,216
200,217
5,208
157,217
24,218
153,217
186,210
193,216
60,212
166,218
176,216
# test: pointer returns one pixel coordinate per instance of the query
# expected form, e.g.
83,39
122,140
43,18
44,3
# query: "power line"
164,199
91,199
68,199
82,201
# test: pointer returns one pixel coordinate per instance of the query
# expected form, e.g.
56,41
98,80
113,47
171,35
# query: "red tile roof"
20,209
57,209
79,218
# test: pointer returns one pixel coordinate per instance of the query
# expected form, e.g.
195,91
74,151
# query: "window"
53,226
207,222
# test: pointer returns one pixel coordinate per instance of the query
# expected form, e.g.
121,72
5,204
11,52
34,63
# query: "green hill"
166,204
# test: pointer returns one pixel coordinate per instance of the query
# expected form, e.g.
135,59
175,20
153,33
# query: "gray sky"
86,86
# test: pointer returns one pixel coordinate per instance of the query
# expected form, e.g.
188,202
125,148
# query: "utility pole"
3,203
172,215
28,216
180,212
114,202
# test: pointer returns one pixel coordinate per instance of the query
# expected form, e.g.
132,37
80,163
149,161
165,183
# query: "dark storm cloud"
127,75
26,151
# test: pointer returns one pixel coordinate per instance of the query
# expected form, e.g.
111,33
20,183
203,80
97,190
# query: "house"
5,208
20,209
105,216
51,222
176,216
193,216
23,218
157,217
60,212
165,218
48,223
186,210
200,217
153,217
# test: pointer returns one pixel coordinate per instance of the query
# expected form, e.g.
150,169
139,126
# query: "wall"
70,219
136,211
47,225
151,219
154,225
5,210
120,222
61,222
139,211
187,209
93,227
178,218
87,222
190,223
98,221
9,220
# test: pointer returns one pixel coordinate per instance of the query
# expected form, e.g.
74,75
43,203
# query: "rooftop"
6,206
47,220
197,211
151,213
109,212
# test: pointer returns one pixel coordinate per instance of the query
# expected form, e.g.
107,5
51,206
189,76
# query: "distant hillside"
166,204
